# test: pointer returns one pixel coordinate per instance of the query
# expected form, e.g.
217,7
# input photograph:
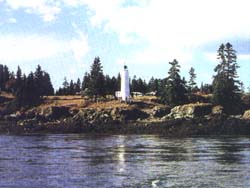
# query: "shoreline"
203,126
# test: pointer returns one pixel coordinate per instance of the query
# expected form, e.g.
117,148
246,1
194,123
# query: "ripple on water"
123,161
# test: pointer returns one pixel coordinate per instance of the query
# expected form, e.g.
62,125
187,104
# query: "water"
74,161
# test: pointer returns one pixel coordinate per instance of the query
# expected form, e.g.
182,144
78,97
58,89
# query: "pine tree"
4,76
114,85
109,85
32,95
43,82
85,81
78,86
38,76
48,87
18,81
153,85
134,85
1,77
28,93
225,85
174,92
191,82
118,82
97,80
71,88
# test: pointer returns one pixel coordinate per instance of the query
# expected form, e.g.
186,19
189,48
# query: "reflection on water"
123,161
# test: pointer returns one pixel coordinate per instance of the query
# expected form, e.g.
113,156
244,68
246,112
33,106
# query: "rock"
235,116
30,114
246,115
159,112
11,117
128,114
191,110
100,116
217,110
27,122
55,112
73,111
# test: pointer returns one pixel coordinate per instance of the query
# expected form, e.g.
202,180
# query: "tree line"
96,84
28,89
172,90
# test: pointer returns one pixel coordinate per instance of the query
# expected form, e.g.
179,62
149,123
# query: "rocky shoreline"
185,120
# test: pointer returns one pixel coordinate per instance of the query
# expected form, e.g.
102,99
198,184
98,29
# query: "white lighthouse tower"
125,91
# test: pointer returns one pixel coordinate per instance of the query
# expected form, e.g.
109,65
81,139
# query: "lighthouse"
125,91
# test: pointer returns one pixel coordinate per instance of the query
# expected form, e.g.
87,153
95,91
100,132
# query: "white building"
125,90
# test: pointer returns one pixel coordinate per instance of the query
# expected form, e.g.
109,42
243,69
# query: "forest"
226,89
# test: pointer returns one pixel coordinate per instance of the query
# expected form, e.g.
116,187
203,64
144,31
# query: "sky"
64,36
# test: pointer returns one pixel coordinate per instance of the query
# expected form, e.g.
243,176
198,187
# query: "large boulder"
246,114
160,111
217,110
128,114
191,110
55,112
93,116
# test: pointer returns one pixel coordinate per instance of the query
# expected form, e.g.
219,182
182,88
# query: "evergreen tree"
228,65
206,88
134,85
114,85
118,82
38,76
110,84
65,87
71,88
85,81
191,83
18,81
28,93
4,76
47,85
174,92
225,85
43,82
97,80
153,85
1,77
32,93
78,86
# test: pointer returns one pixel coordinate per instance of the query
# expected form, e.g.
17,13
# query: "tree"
71,88
4,76
65,87
174,91
38,76
47,85
110,84
228,65
32,92
134,84
191,82
85,81
153,85
118,82
43,82
78,86
206,88
97,80
225,86
28,93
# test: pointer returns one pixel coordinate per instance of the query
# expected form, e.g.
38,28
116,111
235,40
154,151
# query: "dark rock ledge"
185,120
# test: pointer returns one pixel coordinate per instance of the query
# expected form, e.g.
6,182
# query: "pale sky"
64,36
